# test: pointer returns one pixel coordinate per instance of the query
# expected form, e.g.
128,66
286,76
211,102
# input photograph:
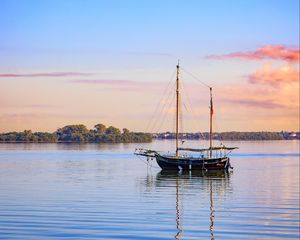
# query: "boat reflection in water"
198,196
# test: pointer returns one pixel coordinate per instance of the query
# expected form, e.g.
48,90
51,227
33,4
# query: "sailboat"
212,158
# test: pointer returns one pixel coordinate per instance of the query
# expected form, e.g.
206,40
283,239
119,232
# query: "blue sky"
181,29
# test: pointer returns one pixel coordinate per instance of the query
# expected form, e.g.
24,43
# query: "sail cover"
206,149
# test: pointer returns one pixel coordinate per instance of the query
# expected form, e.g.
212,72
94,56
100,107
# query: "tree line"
101,134
232,136
79,134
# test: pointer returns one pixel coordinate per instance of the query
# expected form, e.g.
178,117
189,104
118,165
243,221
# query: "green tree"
100,128
113,131
73,133
78,133
126,131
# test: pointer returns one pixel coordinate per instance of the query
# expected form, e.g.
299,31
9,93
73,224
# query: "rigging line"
216,117
166,112
195,122
162,105
188,107
159,103
193,76
173,118
169,105
182,119
163,109
202,136
173,128
216,124
157,109
147,163
181,124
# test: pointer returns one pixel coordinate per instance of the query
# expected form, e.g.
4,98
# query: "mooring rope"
147,162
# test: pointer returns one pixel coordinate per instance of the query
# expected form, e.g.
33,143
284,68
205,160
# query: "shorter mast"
210,122
177,108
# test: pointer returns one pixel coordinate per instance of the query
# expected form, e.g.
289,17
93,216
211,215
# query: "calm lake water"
60,191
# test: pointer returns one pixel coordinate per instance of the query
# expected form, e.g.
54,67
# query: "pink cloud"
50,74
32,116
41,106
107,82
275,77
258,97
269,104
274,52
124,85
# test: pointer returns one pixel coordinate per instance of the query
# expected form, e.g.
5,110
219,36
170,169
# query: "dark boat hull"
185,163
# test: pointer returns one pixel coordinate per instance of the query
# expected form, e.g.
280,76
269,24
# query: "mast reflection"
214,184
178,226
212,211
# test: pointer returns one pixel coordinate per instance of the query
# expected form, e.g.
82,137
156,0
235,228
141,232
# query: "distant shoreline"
19,142
79,134
232,136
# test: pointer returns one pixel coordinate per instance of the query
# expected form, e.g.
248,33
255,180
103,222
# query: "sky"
111,62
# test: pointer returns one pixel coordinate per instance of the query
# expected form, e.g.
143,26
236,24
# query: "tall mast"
177,107
210,122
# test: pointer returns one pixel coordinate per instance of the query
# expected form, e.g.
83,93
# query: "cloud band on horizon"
49,74
105,82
